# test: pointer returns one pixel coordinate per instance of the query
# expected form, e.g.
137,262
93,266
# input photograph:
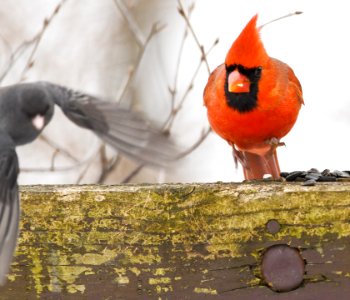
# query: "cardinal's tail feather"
256,166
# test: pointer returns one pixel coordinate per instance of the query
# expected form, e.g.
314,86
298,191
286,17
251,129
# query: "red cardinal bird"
253,100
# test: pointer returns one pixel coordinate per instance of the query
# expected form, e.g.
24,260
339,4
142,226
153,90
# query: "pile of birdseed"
309,178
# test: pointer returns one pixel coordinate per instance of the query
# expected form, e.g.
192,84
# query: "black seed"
327,178
293,175
326,172
284,174
313,176
314,173
340,174
310,182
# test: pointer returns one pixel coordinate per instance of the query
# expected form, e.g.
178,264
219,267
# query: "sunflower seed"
310,182
340,174
293,175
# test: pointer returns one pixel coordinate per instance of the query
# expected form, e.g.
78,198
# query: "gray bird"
25,109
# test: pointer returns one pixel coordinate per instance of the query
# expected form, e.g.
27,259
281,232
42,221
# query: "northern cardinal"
253,100
25,109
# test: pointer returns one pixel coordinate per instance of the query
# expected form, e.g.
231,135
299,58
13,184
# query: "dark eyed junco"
25,109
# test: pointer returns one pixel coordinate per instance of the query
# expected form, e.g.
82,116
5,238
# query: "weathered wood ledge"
183,241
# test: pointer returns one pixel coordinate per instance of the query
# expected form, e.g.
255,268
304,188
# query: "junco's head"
32,111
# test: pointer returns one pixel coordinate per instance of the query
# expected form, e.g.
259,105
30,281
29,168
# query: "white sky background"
79,54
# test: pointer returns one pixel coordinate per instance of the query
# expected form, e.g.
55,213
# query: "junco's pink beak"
38,122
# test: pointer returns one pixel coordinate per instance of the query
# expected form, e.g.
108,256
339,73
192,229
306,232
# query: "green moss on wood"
154,239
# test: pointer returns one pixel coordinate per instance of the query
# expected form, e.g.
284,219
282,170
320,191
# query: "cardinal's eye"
258,71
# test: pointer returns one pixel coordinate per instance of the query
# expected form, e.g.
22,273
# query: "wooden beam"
183,241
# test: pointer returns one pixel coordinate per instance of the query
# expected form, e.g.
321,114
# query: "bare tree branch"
202,138
133,173
77,164
193,147
169,122
132,23
35,41
106,170
173,90
133,70
142,44
185,15
58,149
108,165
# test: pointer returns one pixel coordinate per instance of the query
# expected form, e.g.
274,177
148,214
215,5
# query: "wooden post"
263,240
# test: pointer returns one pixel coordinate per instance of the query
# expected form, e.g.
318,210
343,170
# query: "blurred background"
140,52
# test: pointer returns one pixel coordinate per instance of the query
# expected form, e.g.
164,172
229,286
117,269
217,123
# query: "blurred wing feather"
9,209
125,130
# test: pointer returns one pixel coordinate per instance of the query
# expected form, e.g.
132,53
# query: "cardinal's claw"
275,142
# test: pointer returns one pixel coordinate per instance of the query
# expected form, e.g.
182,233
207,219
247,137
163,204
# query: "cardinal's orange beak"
238,83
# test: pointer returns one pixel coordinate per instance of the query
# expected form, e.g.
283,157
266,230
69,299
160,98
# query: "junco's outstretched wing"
9,204
126,131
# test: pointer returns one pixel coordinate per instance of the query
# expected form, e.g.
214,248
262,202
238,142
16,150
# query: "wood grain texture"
178,241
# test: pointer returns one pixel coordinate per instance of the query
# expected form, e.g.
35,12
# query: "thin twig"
173,91
103,160
193,147
9,48
142,43
154,30
57,148
125,85
83,173
64,169
20,50
169,122
202,138
103,156
132,23
133,173
53,158
113,164
38,37
15,55
189,25
280,18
